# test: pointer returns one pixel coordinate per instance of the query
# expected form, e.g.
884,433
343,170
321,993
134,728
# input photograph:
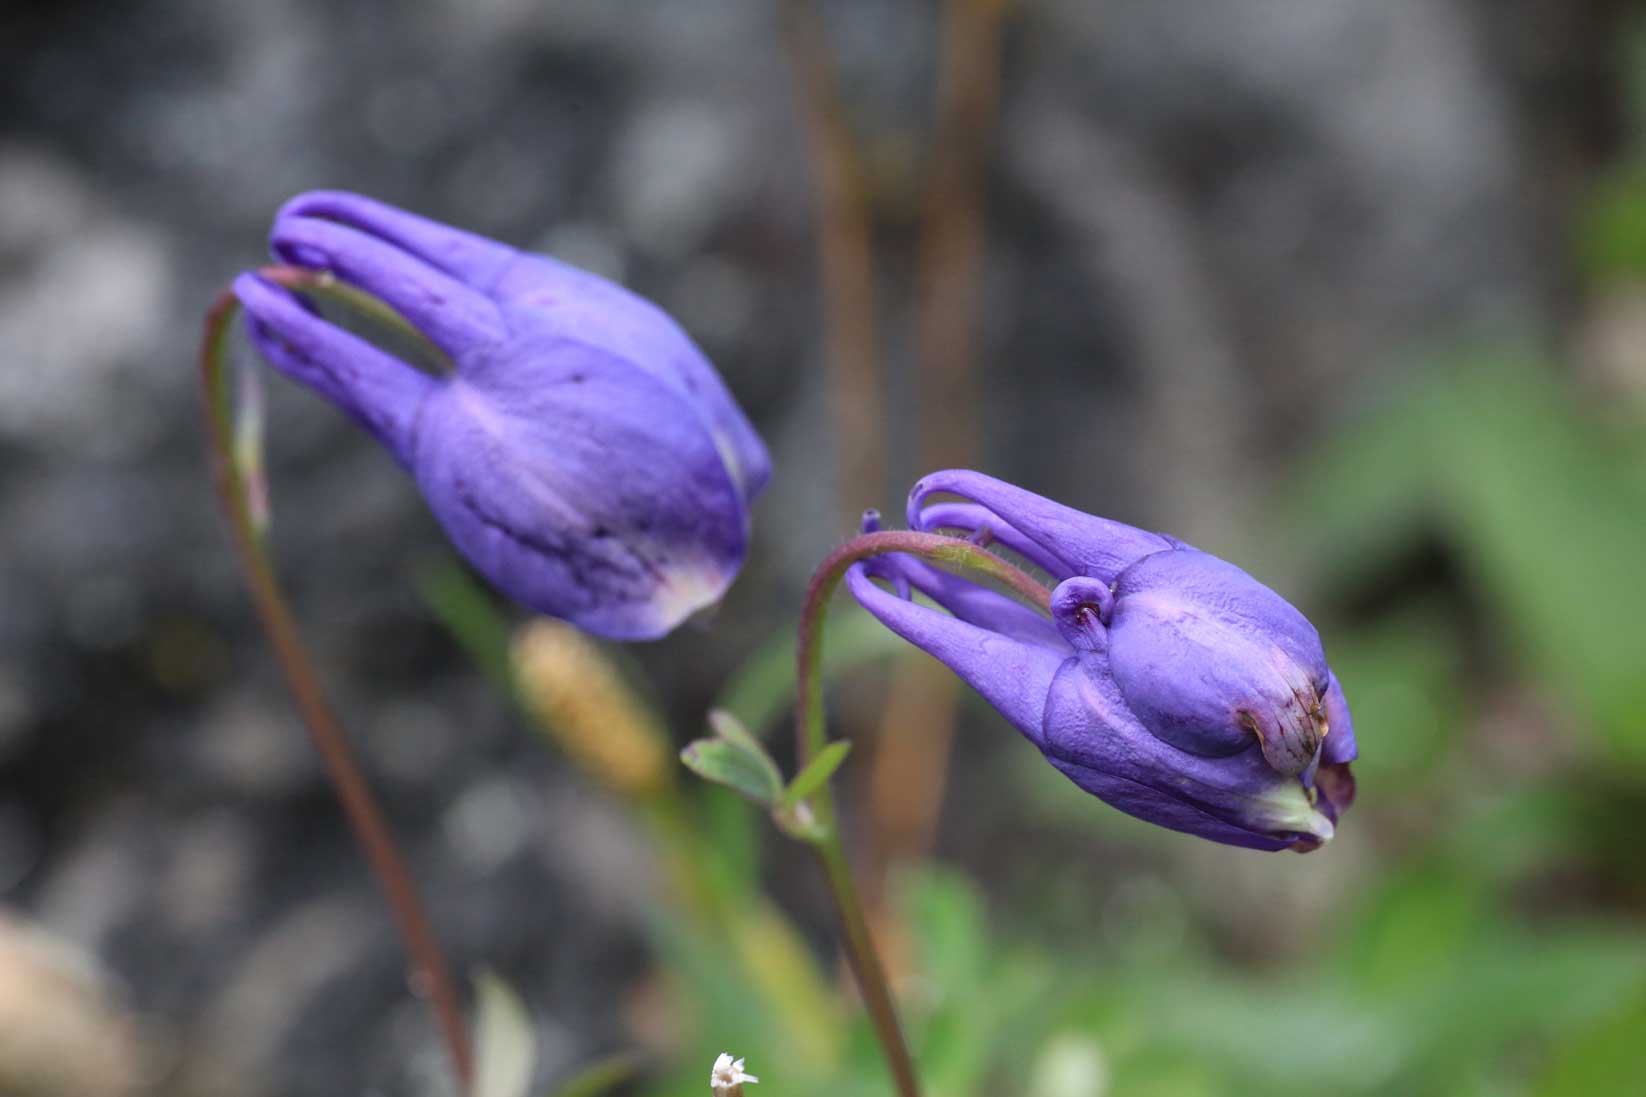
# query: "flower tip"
728,1075
681,593
1321,835
690,590
1313,832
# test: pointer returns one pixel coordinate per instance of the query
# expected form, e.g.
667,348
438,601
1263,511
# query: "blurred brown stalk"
846,260
917,726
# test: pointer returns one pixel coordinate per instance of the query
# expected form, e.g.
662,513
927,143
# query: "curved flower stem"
428,970
811,737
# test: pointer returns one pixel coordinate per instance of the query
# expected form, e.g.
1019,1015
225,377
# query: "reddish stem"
428,970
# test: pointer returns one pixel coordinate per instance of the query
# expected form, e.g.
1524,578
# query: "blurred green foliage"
1612,242
1611,225
1536,500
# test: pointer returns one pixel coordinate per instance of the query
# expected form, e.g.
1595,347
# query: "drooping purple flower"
1168,683
582,453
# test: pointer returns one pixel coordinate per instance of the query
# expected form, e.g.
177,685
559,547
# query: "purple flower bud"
582,453
1168,683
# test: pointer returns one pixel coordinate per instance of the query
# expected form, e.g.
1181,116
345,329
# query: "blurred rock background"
1218,235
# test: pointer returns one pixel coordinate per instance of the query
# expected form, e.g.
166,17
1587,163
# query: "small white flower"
728,1074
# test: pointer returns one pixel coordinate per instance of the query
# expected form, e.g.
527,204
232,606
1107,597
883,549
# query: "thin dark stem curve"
428,970
951,551
811,737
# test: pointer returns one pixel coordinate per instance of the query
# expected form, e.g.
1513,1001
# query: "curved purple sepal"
544,295
1072,541
380,392
1013,676
1339,746
473,260
1209,658
1088,725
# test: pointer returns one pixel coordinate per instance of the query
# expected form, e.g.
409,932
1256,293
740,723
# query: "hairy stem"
427,968
811,736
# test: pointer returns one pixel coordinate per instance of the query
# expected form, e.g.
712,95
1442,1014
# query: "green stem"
811,736
428,970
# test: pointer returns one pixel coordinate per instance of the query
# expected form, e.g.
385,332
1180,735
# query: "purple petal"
973,519
473,260
1013,676
583,488
547,296
1339,746
1206,657
1224,592
378,390
1079,542
1088,725
1156,807
970,602
1335,787
456,318
1083,607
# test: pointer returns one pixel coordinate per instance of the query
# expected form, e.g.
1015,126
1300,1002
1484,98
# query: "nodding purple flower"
1168,683
582,453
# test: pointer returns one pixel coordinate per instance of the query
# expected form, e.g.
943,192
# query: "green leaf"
731,763
817,771
505,1050
728,727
